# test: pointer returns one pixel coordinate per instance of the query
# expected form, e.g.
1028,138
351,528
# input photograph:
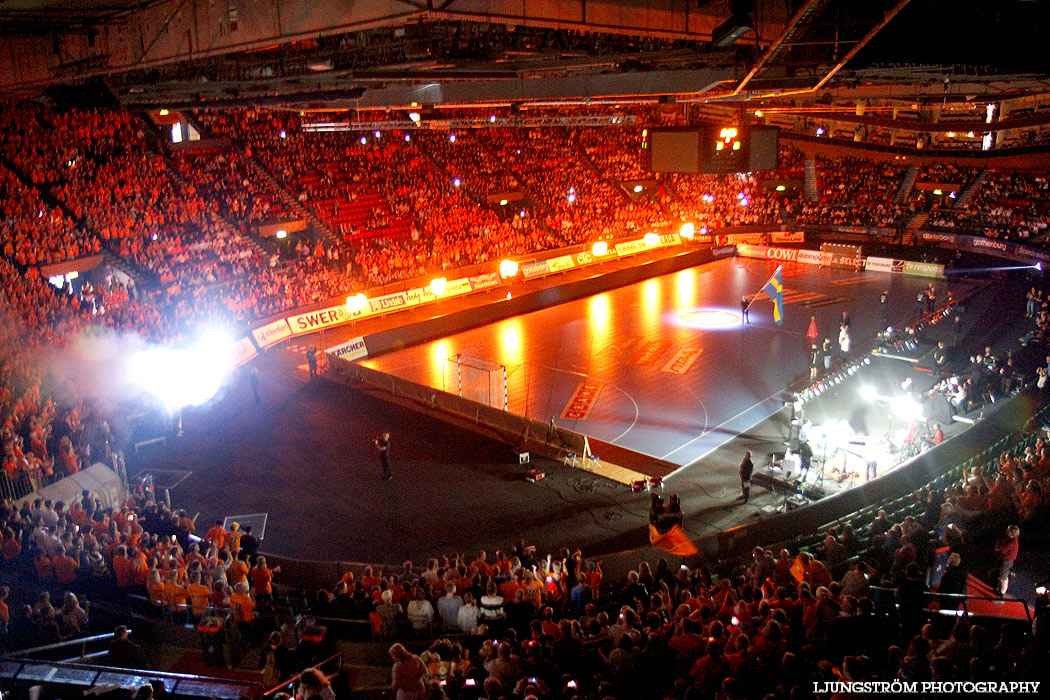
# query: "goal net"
476,379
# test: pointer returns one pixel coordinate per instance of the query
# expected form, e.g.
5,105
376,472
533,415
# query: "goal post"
476,379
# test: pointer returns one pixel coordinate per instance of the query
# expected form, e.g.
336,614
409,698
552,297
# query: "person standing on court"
884,303
814,361
253,380
743,310
844,344
747,468
311,360
383,445
827,354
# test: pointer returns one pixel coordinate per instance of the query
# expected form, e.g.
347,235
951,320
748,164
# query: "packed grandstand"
79,183
112,229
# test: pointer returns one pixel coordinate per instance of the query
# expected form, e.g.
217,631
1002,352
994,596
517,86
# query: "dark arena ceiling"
731,54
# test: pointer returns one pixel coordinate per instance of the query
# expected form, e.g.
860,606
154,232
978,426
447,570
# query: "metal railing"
28,672
82,642
294,679
964,598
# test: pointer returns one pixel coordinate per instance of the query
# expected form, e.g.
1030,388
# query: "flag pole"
755,296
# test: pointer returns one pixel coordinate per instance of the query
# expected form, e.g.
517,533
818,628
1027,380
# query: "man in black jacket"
747,468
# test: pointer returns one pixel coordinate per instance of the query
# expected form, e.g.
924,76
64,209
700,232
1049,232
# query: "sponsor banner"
534,269
782,254
809,257
353,349
582,401
650,352
584,258
419,295
670,239
989,244
846,260
243,350
947,239
1031,252
704,238
456,287
682,361
318,320
751,251
271,333
923,269
387,302
737,238
485,281
788,237
723,251
560,263
875,264
630,247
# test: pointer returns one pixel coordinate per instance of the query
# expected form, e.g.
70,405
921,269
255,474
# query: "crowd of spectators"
1008,205
855,606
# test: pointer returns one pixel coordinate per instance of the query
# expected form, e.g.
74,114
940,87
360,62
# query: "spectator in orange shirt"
122,567
138,567
5,613
42,564
216,536
65,567
237,571
261,578
243,609
174,594
233,538
11,548
198,594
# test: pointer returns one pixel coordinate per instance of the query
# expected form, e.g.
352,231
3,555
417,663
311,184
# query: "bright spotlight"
281,233
452,138
503,202
687,230
906,408
164,112
651,239
356,303
408,137
456,182
869,393
638,188
599,249
508,268
437,286
283,134
414,116
1039,266
363,140
184,376
492,117
377,133
703,230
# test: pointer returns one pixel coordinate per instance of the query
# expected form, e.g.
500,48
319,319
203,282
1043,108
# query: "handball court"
665,367
305,456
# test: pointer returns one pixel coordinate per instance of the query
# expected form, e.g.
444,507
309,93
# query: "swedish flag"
774,289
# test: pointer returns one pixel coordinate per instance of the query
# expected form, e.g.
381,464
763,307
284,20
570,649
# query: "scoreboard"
712,150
